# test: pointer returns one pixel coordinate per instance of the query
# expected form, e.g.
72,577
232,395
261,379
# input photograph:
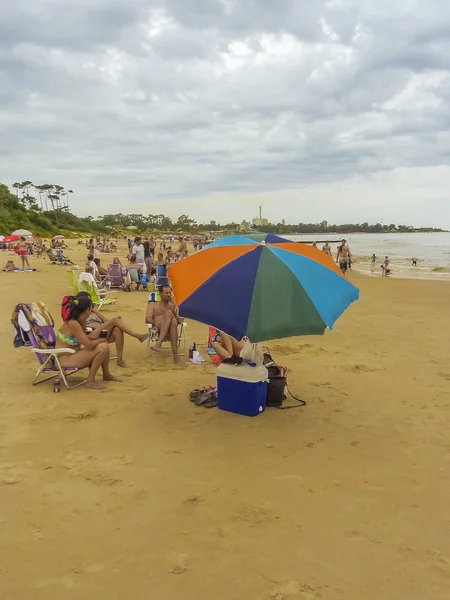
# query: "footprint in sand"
90,414
445,376
294,588
181,564
359,368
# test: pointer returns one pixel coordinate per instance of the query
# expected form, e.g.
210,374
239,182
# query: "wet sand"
138,494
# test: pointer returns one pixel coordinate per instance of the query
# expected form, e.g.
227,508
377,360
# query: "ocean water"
431,249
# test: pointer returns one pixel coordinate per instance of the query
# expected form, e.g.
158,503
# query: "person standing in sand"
165,317
343,256
139,251
326,248
182,249
22,250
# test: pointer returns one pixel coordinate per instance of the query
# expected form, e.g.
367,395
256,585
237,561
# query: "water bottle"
56,385
194,348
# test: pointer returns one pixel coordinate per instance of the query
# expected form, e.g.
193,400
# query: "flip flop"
195,394
214,401
205,397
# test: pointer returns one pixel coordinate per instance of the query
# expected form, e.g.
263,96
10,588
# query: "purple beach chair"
116,278
27,321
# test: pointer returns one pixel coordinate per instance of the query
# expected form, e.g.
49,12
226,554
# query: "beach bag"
277,388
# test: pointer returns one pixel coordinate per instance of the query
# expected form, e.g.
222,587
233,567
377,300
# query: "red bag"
65,307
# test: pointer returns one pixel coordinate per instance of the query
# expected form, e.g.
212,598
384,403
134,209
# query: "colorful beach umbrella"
267,290
270,238
11,238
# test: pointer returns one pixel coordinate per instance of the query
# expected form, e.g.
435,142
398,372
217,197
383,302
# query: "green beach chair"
73,282
96,296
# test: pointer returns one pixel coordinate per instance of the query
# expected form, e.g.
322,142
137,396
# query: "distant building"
324,224
259,222
283,222
245,226
212,223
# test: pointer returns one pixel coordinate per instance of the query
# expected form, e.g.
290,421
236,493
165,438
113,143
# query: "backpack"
65,307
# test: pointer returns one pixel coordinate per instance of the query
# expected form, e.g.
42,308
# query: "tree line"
47,213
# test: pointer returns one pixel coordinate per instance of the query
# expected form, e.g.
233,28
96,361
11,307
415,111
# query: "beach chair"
181,338
34,325
135,276
73,283
116,278
215,358
89,285
161,276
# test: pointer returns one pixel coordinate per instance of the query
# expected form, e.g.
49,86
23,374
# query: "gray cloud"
182,98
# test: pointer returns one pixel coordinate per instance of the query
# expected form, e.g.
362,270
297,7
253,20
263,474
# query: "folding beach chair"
34,326
212,331
89,285
181,338
116,278
61,259
73,283
161,276
135,276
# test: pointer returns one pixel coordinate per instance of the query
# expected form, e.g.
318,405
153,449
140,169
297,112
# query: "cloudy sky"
333,110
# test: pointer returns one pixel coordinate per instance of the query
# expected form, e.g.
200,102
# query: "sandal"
196,393
205,397
214,401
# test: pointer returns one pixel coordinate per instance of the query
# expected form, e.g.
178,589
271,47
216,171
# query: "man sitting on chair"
165,317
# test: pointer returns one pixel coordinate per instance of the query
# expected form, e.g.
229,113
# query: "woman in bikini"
115,328
88,353
22,250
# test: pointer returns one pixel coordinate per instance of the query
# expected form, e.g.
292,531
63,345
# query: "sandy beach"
137,494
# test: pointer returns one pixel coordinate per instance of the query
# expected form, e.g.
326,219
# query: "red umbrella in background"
11,238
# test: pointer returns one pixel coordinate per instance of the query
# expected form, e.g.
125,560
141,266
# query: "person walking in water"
326,248
343,256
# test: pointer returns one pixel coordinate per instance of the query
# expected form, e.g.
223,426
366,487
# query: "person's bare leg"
173,337
119,324
220,350
118,338
107,375
226,341
237,346
102,351
163,331
28,264
23,262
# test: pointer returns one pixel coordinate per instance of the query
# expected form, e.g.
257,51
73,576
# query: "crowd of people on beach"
89,333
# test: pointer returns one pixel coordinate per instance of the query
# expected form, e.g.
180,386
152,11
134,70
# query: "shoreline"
421,277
